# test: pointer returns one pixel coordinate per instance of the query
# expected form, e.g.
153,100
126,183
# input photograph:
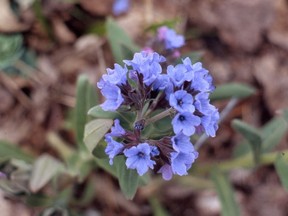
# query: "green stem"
154,103
159,116
246,161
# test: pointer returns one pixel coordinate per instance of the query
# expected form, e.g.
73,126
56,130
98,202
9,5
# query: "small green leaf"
44,169
226,195
98,112
157,208
121,44
232,90
11,49
99,151
13,188
128,178
281,165
95,131
271,134
86,98
126,118
10,151
104,164
80,165
39,200
169,23
252,135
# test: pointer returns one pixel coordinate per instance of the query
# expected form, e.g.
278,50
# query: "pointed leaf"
10,151
11,49
128,178
157,208
99,150
121,44
226,195
86,98
271,134
232,90
95,131
44,169
126,118
281,165
104,164
252,135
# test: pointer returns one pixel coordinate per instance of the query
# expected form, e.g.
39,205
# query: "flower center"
141,155
180,102
182,118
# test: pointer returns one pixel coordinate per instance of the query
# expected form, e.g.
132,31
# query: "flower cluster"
154,92
167,42
170,38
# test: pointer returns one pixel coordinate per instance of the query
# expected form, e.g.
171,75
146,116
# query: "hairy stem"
159,116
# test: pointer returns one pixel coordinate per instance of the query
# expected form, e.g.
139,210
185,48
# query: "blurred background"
45,45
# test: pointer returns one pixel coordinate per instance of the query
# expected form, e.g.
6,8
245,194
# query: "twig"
14,90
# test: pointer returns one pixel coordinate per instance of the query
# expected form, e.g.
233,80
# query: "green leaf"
157,208
13,188
39,200
121,44
169,23
11,49
225,192
104,164
98,112
44,169
10,151
271,134
232,90
85,99
281,165
99,150
95,131
252,135
80,165
126,118
128,178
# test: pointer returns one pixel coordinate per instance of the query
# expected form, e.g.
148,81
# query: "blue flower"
201,80
161,82
120,6
177,74
210,122
181,143
182,101
202,103
116,76
171,39
147,64
186,123
166,171
113,96
181,162
138,157
116,130
113,148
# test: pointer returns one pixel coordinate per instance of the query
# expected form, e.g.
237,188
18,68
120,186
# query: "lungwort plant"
156,113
